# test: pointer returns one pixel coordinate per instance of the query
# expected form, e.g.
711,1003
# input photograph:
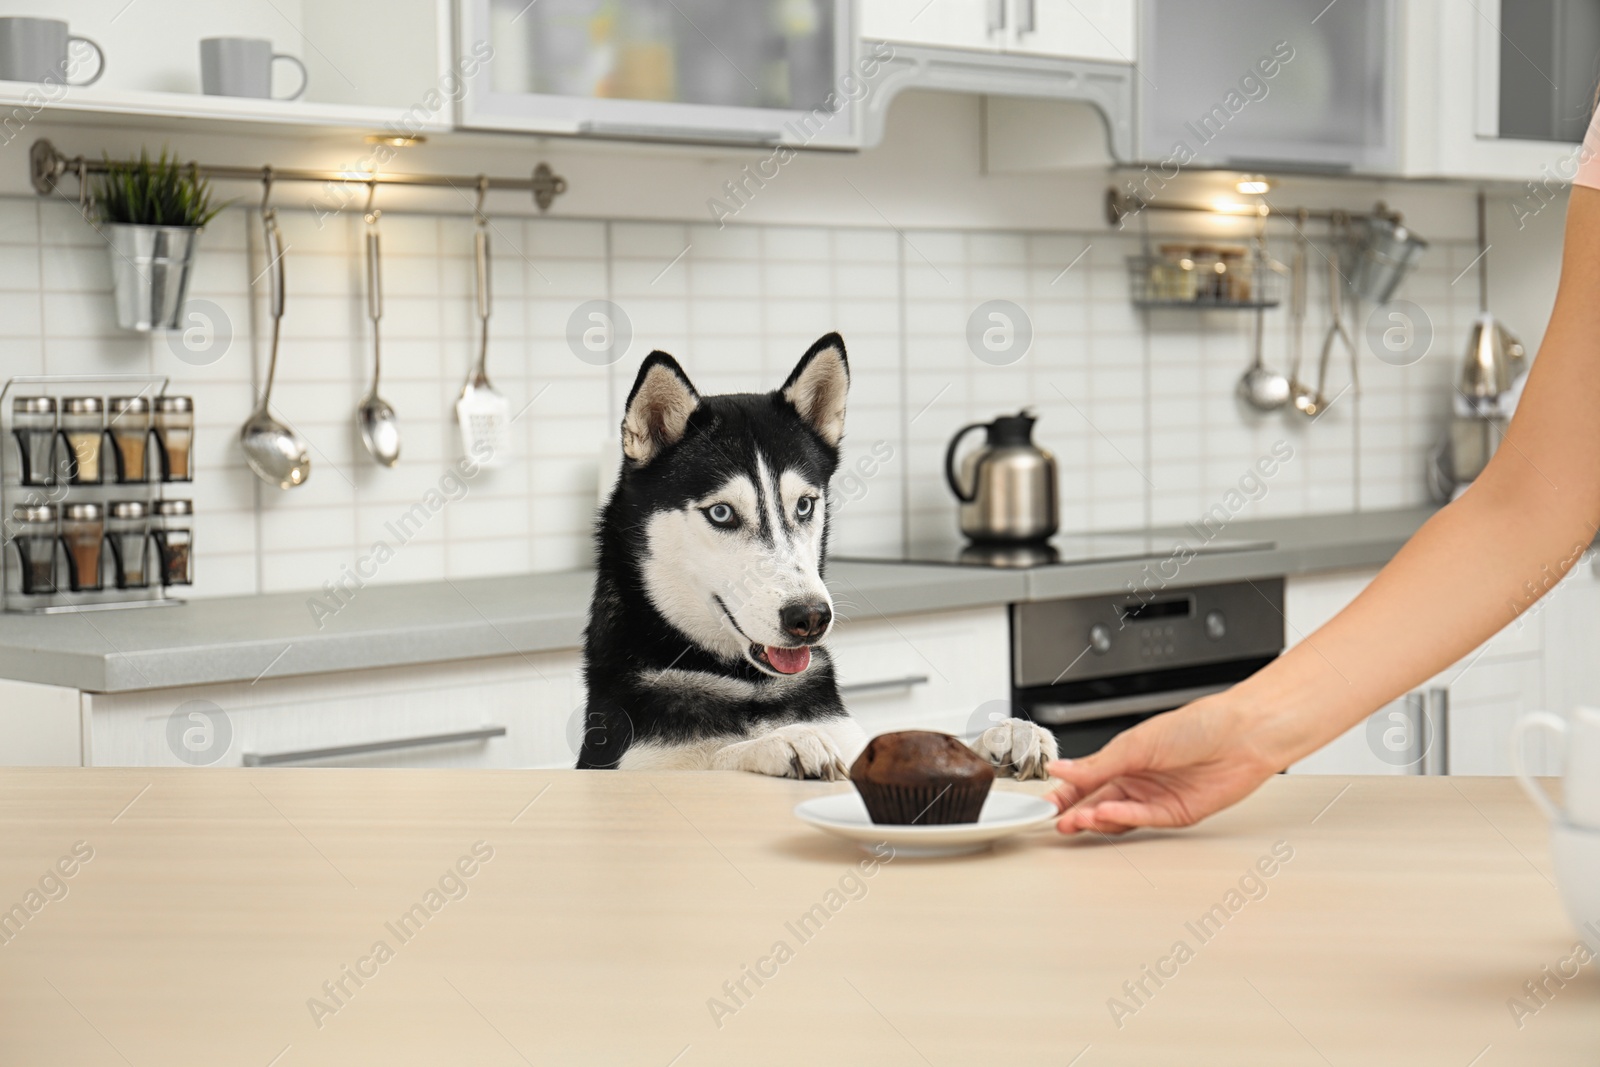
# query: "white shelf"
157,105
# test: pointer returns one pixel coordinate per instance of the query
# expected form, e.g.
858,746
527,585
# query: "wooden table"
604,913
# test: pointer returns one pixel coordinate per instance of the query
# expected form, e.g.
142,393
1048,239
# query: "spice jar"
35,535
128,530
174,422
174,541
1236,276
83,529
83,426
130,434
33,423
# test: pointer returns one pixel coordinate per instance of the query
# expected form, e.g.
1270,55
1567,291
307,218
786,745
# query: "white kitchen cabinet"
1486,700
1102,30
1452,80
1570,623
535,698
1486,692
1085,29
974,25
1255,84
40,725
766,73
941,671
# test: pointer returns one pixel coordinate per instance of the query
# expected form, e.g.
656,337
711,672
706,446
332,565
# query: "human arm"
1477,564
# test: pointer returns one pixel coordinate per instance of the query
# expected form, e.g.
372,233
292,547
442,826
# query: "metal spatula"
483,413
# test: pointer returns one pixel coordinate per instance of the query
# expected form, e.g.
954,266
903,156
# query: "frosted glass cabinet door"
1246,83
736,71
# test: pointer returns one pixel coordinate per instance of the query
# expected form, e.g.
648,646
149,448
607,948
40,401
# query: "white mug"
242,66
40,50
1580,733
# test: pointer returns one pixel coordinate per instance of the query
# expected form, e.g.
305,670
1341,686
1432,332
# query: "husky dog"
704,644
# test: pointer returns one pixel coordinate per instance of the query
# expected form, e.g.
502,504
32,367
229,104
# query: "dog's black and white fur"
704,645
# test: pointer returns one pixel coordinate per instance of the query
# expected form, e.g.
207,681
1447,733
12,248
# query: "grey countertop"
246,638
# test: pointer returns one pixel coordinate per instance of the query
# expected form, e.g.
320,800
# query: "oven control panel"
1058,641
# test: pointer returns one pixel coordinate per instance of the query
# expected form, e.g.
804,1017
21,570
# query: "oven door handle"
1062,714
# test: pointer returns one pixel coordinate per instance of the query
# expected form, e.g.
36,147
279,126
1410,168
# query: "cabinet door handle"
910,681
644,131
273,759
997,15
1436,709
1027,16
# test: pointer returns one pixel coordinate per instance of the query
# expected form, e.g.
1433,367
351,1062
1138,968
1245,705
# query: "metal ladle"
1260,387
274,452
380,427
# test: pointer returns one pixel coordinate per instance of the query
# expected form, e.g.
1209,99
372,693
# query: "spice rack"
1203,276
88,461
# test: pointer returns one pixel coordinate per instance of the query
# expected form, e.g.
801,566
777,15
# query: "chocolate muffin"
921,777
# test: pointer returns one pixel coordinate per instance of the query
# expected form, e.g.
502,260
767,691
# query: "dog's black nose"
805,621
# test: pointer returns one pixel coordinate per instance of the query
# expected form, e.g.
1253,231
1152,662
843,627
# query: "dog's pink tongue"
789,660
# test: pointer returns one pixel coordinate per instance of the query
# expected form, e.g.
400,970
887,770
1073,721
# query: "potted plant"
151,212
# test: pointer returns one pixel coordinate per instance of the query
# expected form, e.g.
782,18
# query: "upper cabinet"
1498,90
751,72
1263,84
1086,29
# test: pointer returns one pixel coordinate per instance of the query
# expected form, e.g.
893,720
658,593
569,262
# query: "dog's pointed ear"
818,386
658,408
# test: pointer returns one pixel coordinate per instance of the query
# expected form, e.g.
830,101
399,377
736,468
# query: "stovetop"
1061,550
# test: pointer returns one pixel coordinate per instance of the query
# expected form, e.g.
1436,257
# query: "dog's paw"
1017,747
799,750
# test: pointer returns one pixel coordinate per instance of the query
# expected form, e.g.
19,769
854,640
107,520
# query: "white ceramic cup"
40,50
242,66
1580,735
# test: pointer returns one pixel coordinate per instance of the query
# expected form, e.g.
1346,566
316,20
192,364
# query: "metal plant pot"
150,268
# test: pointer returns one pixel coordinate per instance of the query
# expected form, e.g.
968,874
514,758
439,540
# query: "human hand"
1170,770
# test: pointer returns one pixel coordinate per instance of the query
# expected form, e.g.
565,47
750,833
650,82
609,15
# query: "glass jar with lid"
83,531
36,536
83,427
174,422
130,434
174,536
128,530
33,424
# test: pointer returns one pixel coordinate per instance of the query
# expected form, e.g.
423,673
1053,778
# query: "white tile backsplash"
1137,407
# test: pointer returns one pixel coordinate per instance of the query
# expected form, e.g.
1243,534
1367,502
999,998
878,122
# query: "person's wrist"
1273,727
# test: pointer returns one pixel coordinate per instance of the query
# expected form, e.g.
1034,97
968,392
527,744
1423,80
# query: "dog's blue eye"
802,510
722,515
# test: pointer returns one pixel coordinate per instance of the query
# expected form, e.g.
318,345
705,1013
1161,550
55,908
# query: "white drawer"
406,711
930,672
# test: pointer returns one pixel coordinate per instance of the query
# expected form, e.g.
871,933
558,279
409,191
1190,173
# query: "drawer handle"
273,759
910,681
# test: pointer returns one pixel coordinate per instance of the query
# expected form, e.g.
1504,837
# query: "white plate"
1004,814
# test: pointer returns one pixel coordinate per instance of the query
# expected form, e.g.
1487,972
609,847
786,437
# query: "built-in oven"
1090,667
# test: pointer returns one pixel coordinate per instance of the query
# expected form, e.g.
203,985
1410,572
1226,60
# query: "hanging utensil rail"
1120,205
49,165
